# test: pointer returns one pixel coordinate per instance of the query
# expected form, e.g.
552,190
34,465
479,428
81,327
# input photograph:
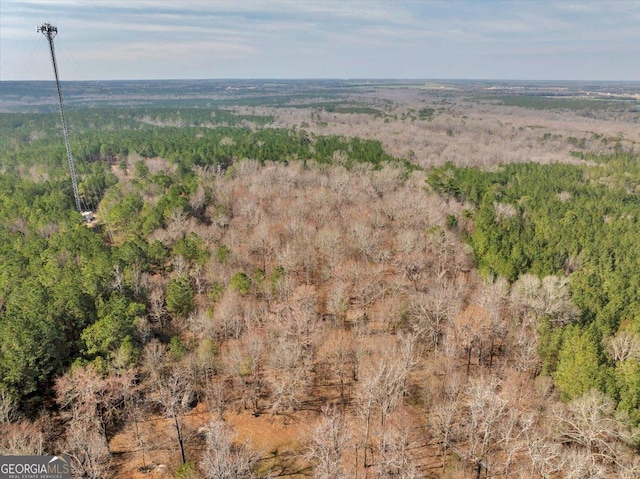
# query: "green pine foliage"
115,325
180,296
187,145
579,367
241,283
52,279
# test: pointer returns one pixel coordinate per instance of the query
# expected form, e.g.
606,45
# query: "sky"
300,39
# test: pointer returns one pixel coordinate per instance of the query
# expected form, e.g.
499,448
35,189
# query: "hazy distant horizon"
280,39
329,79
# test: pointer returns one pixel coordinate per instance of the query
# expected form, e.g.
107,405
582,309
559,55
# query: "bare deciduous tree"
546,456
589,422
327,444
23,438
289,380
483,413
441,421
395,447
223,458
216,396
8,407
244,359
199,198
88,449
381,387
173,393
158,309
512,437
338,354
431,310
177,224
624,345
469,331
548,297
85,395
228,317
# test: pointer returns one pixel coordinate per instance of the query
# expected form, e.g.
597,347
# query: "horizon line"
412,79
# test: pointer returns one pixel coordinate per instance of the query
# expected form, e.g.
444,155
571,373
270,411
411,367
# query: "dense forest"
259,300
45,245
574,222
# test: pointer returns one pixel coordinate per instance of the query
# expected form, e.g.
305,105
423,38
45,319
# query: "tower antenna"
50,32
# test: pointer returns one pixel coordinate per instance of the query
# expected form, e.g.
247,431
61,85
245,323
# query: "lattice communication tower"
50,32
